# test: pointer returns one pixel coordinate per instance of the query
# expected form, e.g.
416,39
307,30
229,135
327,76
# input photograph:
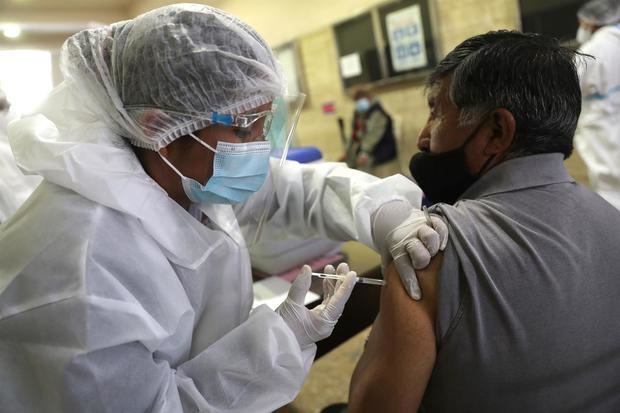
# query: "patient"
519,314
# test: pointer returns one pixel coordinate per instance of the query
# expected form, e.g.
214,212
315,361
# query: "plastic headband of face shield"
276,125
247,125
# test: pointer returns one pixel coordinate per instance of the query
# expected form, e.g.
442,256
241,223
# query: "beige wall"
280,21
455,20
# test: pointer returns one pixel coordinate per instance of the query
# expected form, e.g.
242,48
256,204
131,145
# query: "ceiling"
62,17
38,5
46,23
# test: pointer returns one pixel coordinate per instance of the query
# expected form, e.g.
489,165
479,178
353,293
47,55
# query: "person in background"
372,147
520,312
598,136
5,111
125,280
15,187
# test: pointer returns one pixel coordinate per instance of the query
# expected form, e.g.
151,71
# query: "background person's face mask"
239,170
583,35
362,105
444,177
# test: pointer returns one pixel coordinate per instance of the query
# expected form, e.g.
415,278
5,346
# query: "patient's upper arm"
400,354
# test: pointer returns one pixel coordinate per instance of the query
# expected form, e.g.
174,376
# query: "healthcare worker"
597,137
15,187
125,280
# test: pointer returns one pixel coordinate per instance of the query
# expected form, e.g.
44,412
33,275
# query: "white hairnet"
159,76
600,12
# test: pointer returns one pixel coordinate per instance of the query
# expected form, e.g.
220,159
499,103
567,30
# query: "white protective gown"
15,187
113,298
598,133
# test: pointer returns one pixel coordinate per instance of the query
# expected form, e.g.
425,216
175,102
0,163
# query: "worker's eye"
243,133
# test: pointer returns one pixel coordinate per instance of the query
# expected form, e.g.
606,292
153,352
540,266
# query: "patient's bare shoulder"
394,369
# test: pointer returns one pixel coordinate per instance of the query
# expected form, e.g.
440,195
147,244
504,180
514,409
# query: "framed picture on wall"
358,53
409,48
388,43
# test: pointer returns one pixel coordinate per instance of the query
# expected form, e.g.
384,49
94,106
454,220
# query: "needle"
361,280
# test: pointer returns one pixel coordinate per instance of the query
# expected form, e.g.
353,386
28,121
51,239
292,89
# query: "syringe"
361,280
366,280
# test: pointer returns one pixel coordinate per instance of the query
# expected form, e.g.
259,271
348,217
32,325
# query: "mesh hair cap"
159,76
600,12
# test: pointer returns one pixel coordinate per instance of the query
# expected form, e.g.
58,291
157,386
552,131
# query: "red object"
328,107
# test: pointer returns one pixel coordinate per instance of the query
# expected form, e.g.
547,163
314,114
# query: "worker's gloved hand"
406,236
310,326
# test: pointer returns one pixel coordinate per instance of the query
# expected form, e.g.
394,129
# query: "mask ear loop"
470,138
484,167
174,167
203,143
163,158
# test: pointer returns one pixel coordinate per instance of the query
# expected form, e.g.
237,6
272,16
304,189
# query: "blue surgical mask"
362,105
239,170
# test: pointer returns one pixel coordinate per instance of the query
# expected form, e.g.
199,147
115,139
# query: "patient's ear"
503,128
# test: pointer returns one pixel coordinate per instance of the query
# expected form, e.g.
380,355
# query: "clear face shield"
285,114
279,127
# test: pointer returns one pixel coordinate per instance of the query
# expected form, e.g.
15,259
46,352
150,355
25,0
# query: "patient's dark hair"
531,75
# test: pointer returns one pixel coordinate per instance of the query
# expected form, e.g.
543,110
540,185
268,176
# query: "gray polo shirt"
529,296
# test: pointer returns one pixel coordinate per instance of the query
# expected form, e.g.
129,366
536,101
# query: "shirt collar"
520,173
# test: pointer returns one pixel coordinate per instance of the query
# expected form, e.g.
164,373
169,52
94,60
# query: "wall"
455,20
280,21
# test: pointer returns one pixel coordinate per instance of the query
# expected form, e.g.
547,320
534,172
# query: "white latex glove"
405,236
310,326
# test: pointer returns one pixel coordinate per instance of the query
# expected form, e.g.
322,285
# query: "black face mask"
444,177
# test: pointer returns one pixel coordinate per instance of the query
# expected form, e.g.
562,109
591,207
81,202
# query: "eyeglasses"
246,125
